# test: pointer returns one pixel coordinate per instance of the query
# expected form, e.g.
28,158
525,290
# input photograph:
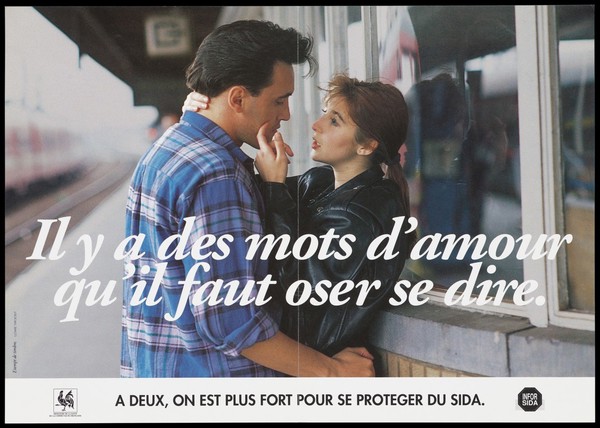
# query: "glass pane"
577,102
457,66
356,44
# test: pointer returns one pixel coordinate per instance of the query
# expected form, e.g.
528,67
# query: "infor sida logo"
529,399
65,401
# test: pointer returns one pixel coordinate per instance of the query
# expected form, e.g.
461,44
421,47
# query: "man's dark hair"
244,53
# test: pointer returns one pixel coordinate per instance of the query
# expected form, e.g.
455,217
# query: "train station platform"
38,344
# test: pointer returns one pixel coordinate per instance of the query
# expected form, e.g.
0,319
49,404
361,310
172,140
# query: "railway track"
75,199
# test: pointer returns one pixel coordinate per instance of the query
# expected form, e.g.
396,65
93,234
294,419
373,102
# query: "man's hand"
354,362
295,359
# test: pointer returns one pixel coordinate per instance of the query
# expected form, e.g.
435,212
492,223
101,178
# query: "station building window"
502,144
578,144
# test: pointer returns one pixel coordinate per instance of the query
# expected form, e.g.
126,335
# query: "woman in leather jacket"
359,191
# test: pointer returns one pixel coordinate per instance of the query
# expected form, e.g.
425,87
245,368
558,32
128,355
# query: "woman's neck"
347,171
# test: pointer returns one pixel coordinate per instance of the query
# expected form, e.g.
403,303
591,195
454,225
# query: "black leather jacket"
365,207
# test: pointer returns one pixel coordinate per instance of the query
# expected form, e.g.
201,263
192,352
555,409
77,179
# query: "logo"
529,399
65,401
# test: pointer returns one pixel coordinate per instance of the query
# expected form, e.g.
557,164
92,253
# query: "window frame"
539,119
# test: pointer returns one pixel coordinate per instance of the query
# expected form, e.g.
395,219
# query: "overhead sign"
167,35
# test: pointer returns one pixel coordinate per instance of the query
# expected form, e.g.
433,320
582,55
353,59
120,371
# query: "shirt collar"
198,123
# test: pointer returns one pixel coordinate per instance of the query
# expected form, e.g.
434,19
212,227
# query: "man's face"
271,105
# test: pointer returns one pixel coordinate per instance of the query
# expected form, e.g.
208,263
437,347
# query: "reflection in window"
463,147
577,102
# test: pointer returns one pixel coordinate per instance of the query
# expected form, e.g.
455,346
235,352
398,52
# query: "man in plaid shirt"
196,184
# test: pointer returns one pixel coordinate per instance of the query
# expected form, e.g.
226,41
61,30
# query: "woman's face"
333,138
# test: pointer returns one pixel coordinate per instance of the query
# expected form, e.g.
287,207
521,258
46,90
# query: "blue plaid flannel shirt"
194,169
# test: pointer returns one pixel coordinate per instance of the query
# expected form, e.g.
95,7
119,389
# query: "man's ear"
367,148
236,98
